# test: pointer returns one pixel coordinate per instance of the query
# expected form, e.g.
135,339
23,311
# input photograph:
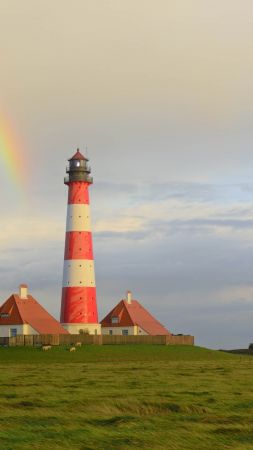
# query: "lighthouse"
78,304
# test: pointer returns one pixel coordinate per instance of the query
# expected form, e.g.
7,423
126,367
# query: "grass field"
125,397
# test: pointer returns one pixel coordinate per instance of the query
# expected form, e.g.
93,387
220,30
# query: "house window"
125,332
115,319
4,315
110,332
13,332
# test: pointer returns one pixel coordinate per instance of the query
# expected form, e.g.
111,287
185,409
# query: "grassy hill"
125,397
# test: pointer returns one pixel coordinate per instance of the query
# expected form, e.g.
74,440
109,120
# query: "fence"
37,340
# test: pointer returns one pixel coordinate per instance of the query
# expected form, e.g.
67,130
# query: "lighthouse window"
77,163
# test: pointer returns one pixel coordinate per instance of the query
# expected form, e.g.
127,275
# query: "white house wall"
21,329
118,330
132,331
90,328
29,330
141,332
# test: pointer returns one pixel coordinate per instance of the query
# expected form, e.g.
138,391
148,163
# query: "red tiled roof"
78,155
29,311
134,313
10,307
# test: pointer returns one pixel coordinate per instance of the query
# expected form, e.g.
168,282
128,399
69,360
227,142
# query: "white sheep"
45,348
78,344
72,349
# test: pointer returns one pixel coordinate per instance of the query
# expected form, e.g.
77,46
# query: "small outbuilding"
129,317
21,314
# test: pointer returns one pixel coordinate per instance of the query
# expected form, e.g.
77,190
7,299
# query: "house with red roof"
129,317
22,314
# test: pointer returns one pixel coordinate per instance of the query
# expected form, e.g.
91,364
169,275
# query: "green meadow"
125,397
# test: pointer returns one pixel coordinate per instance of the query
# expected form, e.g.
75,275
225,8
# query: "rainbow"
11,155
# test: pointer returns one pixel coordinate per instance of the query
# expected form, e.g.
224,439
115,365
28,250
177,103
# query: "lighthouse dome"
78,156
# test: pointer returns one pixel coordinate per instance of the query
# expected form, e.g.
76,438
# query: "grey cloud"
125,235
155,191
200,224
170,228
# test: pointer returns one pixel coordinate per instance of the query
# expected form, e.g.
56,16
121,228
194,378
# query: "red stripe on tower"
78,245
79,305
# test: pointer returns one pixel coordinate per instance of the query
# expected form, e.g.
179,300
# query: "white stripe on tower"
78,273
78,218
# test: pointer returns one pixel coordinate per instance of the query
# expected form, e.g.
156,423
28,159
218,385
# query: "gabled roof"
131,314
29,311
78,155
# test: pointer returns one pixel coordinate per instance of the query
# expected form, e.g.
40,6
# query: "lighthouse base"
82,328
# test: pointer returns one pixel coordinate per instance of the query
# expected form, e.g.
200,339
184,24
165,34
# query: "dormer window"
4,315
115,319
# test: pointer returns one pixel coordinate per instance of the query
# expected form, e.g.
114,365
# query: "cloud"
195,209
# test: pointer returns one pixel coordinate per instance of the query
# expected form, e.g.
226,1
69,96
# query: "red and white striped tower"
78,305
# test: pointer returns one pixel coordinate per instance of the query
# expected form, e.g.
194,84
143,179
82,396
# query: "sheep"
72,349
45,348
78,344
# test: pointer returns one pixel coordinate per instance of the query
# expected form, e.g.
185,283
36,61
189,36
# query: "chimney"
23,291
129,297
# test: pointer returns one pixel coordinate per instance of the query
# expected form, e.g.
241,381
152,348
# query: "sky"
158,94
